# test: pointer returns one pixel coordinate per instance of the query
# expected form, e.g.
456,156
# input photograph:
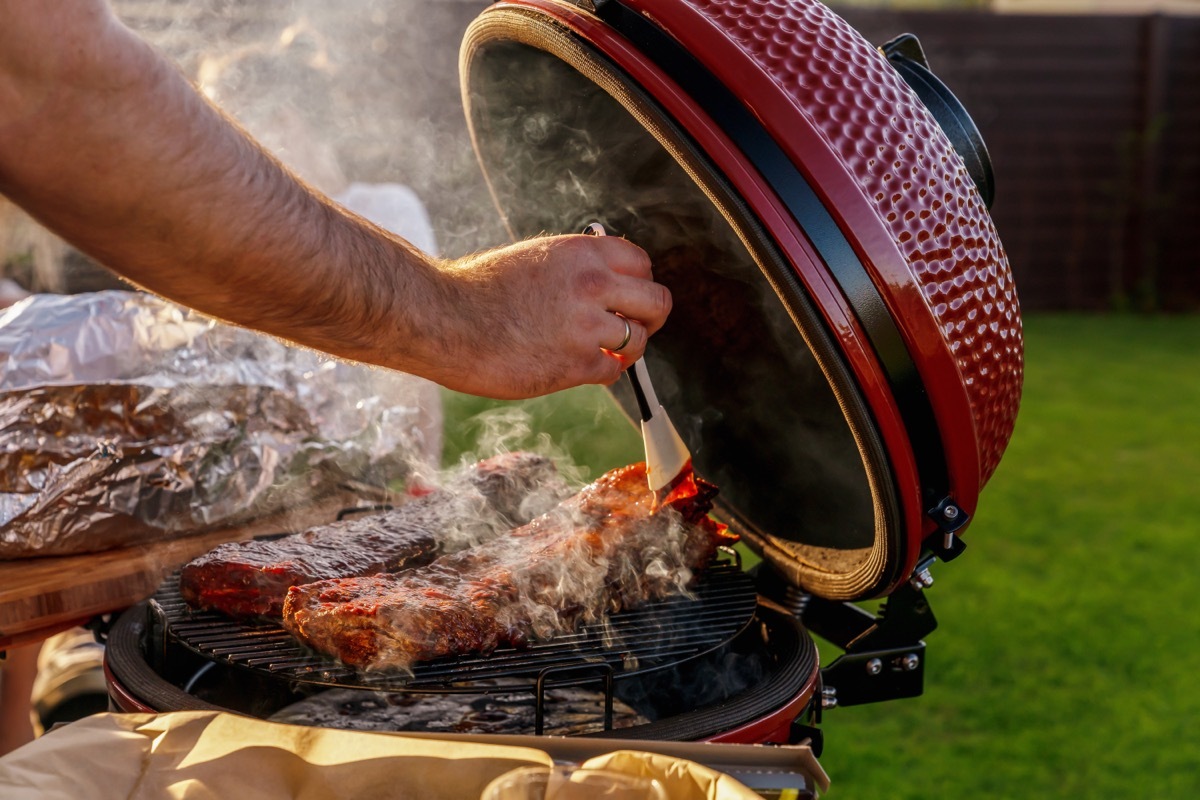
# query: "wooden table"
43,596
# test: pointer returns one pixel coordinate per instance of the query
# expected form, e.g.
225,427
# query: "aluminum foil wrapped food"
125,418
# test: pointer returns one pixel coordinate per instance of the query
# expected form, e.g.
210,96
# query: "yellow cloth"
203,754
683,780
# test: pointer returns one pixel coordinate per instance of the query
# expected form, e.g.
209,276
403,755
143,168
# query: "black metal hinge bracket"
884,656
950,518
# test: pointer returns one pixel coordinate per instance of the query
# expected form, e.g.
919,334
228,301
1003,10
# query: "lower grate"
655,636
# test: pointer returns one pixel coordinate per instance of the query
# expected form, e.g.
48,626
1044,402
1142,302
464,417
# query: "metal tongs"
667,457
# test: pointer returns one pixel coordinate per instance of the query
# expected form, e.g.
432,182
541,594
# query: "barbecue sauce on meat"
611,546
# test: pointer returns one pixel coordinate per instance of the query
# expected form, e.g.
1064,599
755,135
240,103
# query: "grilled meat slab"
611,546
251,578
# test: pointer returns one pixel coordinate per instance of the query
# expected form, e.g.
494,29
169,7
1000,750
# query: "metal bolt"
828,697
922,580
950,513
908,662
874,666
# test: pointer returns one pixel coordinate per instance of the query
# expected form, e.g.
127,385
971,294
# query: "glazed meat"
487,498
611,546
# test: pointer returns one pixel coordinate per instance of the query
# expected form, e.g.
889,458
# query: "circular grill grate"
656,636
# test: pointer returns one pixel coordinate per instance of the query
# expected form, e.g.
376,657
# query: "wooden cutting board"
42,596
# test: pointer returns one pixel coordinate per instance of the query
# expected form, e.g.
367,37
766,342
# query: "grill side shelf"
655,636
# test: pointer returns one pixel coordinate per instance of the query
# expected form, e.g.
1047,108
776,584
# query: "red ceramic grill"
844,356
845,349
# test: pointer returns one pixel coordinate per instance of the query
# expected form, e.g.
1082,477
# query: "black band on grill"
796,653
793,189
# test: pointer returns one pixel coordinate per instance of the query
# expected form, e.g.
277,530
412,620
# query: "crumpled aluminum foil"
125,418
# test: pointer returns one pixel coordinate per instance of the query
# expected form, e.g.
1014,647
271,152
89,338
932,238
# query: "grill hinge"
877,675
884,656
884,653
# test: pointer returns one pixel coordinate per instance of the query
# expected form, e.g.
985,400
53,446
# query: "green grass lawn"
1067,663
1068,659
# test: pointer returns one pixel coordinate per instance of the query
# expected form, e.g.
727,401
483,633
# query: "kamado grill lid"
844,354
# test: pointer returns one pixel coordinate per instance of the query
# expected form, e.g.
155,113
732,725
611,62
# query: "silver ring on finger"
625,340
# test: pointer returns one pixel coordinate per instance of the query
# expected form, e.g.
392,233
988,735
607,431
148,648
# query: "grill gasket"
655,636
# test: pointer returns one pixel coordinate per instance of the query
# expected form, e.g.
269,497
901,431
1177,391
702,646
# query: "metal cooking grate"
655,636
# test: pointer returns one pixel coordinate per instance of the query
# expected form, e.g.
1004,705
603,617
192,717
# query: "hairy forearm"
106,143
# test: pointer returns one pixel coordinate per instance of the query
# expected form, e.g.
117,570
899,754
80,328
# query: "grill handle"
667,457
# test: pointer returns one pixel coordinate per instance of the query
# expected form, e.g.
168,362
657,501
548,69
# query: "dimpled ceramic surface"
919,187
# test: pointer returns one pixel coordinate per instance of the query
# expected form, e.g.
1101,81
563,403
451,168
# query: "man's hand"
542,315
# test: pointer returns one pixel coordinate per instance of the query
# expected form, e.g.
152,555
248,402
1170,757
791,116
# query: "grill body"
148,670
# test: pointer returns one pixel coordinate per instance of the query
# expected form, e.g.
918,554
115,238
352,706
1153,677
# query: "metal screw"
908,662
828,697
950,513
874,666
922,580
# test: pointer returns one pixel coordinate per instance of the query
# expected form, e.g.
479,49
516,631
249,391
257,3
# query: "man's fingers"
621,340
643,301
622,257
626,282
606,368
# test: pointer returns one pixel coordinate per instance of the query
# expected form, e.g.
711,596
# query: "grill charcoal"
569,711
522,586
252,578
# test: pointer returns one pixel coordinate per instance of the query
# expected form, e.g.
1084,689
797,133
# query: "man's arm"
108,145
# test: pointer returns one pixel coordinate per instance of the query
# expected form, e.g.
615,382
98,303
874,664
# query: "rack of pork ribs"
613,546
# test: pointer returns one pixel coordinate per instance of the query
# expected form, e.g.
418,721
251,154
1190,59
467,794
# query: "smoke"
699,682
574,579
363,92
375,88
604,549
506,429
485,499
539,582
741,384
29,253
